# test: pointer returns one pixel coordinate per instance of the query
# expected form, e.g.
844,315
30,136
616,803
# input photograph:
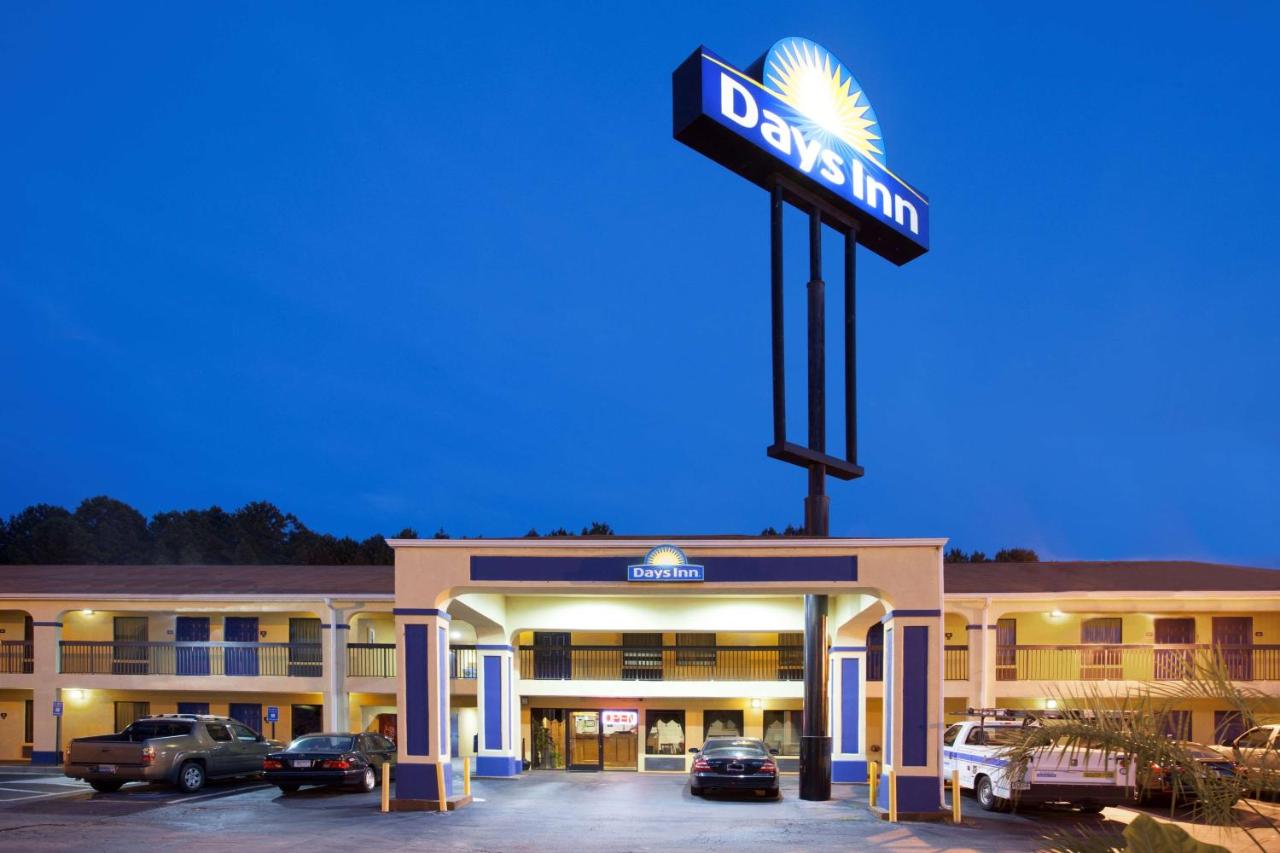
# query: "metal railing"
1130,662
955,663
378,660
16,657
371,660
662,663
105,657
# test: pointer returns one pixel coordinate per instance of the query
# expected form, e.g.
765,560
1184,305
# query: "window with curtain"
664,733
782,731
696,649
127,712
722,723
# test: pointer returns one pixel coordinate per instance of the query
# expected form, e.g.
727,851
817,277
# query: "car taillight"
272,764
148,755
336,764
768,767
700,764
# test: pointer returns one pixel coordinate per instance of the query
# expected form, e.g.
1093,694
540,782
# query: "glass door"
585,749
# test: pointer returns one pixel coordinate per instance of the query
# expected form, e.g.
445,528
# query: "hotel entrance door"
585,749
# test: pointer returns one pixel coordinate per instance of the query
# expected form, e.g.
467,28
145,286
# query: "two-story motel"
539,654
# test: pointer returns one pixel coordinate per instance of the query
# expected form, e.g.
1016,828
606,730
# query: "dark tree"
978,557
597,528
440,534
263,533
1017,555
955,555
117,532
45,534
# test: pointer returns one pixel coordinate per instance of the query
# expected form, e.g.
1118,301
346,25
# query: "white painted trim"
768,544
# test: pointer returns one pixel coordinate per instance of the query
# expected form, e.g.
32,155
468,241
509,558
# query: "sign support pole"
815,742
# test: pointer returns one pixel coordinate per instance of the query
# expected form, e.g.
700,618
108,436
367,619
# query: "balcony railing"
1134,662
662,663
955,663
15,657
378,660
371,660
94,657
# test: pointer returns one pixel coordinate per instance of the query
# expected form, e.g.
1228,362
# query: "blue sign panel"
843,569
273,714
57,708
803,115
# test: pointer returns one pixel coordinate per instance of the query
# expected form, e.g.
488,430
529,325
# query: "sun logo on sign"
665,555
825,95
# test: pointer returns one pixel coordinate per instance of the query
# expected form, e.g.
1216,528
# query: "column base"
46,757
404,805
497,765
849,770
919,797
418,782
815,768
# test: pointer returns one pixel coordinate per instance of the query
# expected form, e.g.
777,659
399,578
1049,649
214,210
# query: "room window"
127,712
722,723
696,649
782,731
664,733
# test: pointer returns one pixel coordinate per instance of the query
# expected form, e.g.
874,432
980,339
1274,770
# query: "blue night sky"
445,266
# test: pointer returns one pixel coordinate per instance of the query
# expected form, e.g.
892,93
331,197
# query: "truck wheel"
986,794
105,786
190,777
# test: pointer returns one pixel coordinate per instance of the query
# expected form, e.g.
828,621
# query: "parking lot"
541,811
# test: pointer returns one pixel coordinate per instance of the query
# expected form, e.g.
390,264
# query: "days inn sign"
797,111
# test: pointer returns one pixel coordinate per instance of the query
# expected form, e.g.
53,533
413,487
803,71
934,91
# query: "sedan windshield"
321,743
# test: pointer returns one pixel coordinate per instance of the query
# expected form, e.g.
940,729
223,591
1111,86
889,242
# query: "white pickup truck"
1085,778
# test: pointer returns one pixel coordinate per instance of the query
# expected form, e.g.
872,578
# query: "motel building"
541,656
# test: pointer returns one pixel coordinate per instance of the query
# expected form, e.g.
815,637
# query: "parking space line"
39,796
227,793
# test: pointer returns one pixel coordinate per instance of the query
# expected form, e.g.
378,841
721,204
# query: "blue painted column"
499,707
422,697
913,710
848,693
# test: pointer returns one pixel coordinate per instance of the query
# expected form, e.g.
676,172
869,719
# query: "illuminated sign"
665,564
798,112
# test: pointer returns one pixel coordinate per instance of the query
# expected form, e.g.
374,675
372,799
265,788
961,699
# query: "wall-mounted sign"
57,708
798,112
273,713
665,564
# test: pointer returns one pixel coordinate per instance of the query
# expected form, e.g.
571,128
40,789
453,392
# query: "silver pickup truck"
176,749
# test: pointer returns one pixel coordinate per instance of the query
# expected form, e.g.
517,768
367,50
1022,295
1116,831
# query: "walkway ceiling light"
1056,614
87,612
1051,704
757,703
75,695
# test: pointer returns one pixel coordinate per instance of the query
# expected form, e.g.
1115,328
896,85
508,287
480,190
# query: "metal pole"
775,289
815,743
816,504
850,346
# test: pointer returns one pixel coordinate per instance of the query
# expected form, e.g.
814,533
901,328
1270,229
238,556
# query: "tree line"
106,531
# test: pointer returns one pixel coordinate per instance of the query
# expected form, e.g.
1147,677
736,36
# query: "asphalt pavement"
546,810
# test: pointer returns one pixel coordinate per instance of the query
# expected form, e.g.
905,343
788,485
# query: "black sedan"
734,763
349,760
1174,782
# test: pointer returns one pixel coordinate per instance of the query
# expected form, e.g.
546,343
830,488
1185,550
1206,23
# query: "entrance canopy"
658,588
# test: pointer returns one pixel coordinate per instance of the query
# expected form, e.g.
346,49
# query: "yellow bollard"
444,795
466,775
386,786
955,796
893,798
873,778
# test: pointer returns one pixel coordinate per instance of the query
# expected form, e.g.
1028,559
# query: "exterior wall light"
1056,614
86,612
1051,704
75,695
757,703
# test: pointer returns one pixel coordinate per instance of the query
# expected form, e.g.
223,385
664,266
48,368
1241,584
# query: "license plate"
302,764
106,768
1097,774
